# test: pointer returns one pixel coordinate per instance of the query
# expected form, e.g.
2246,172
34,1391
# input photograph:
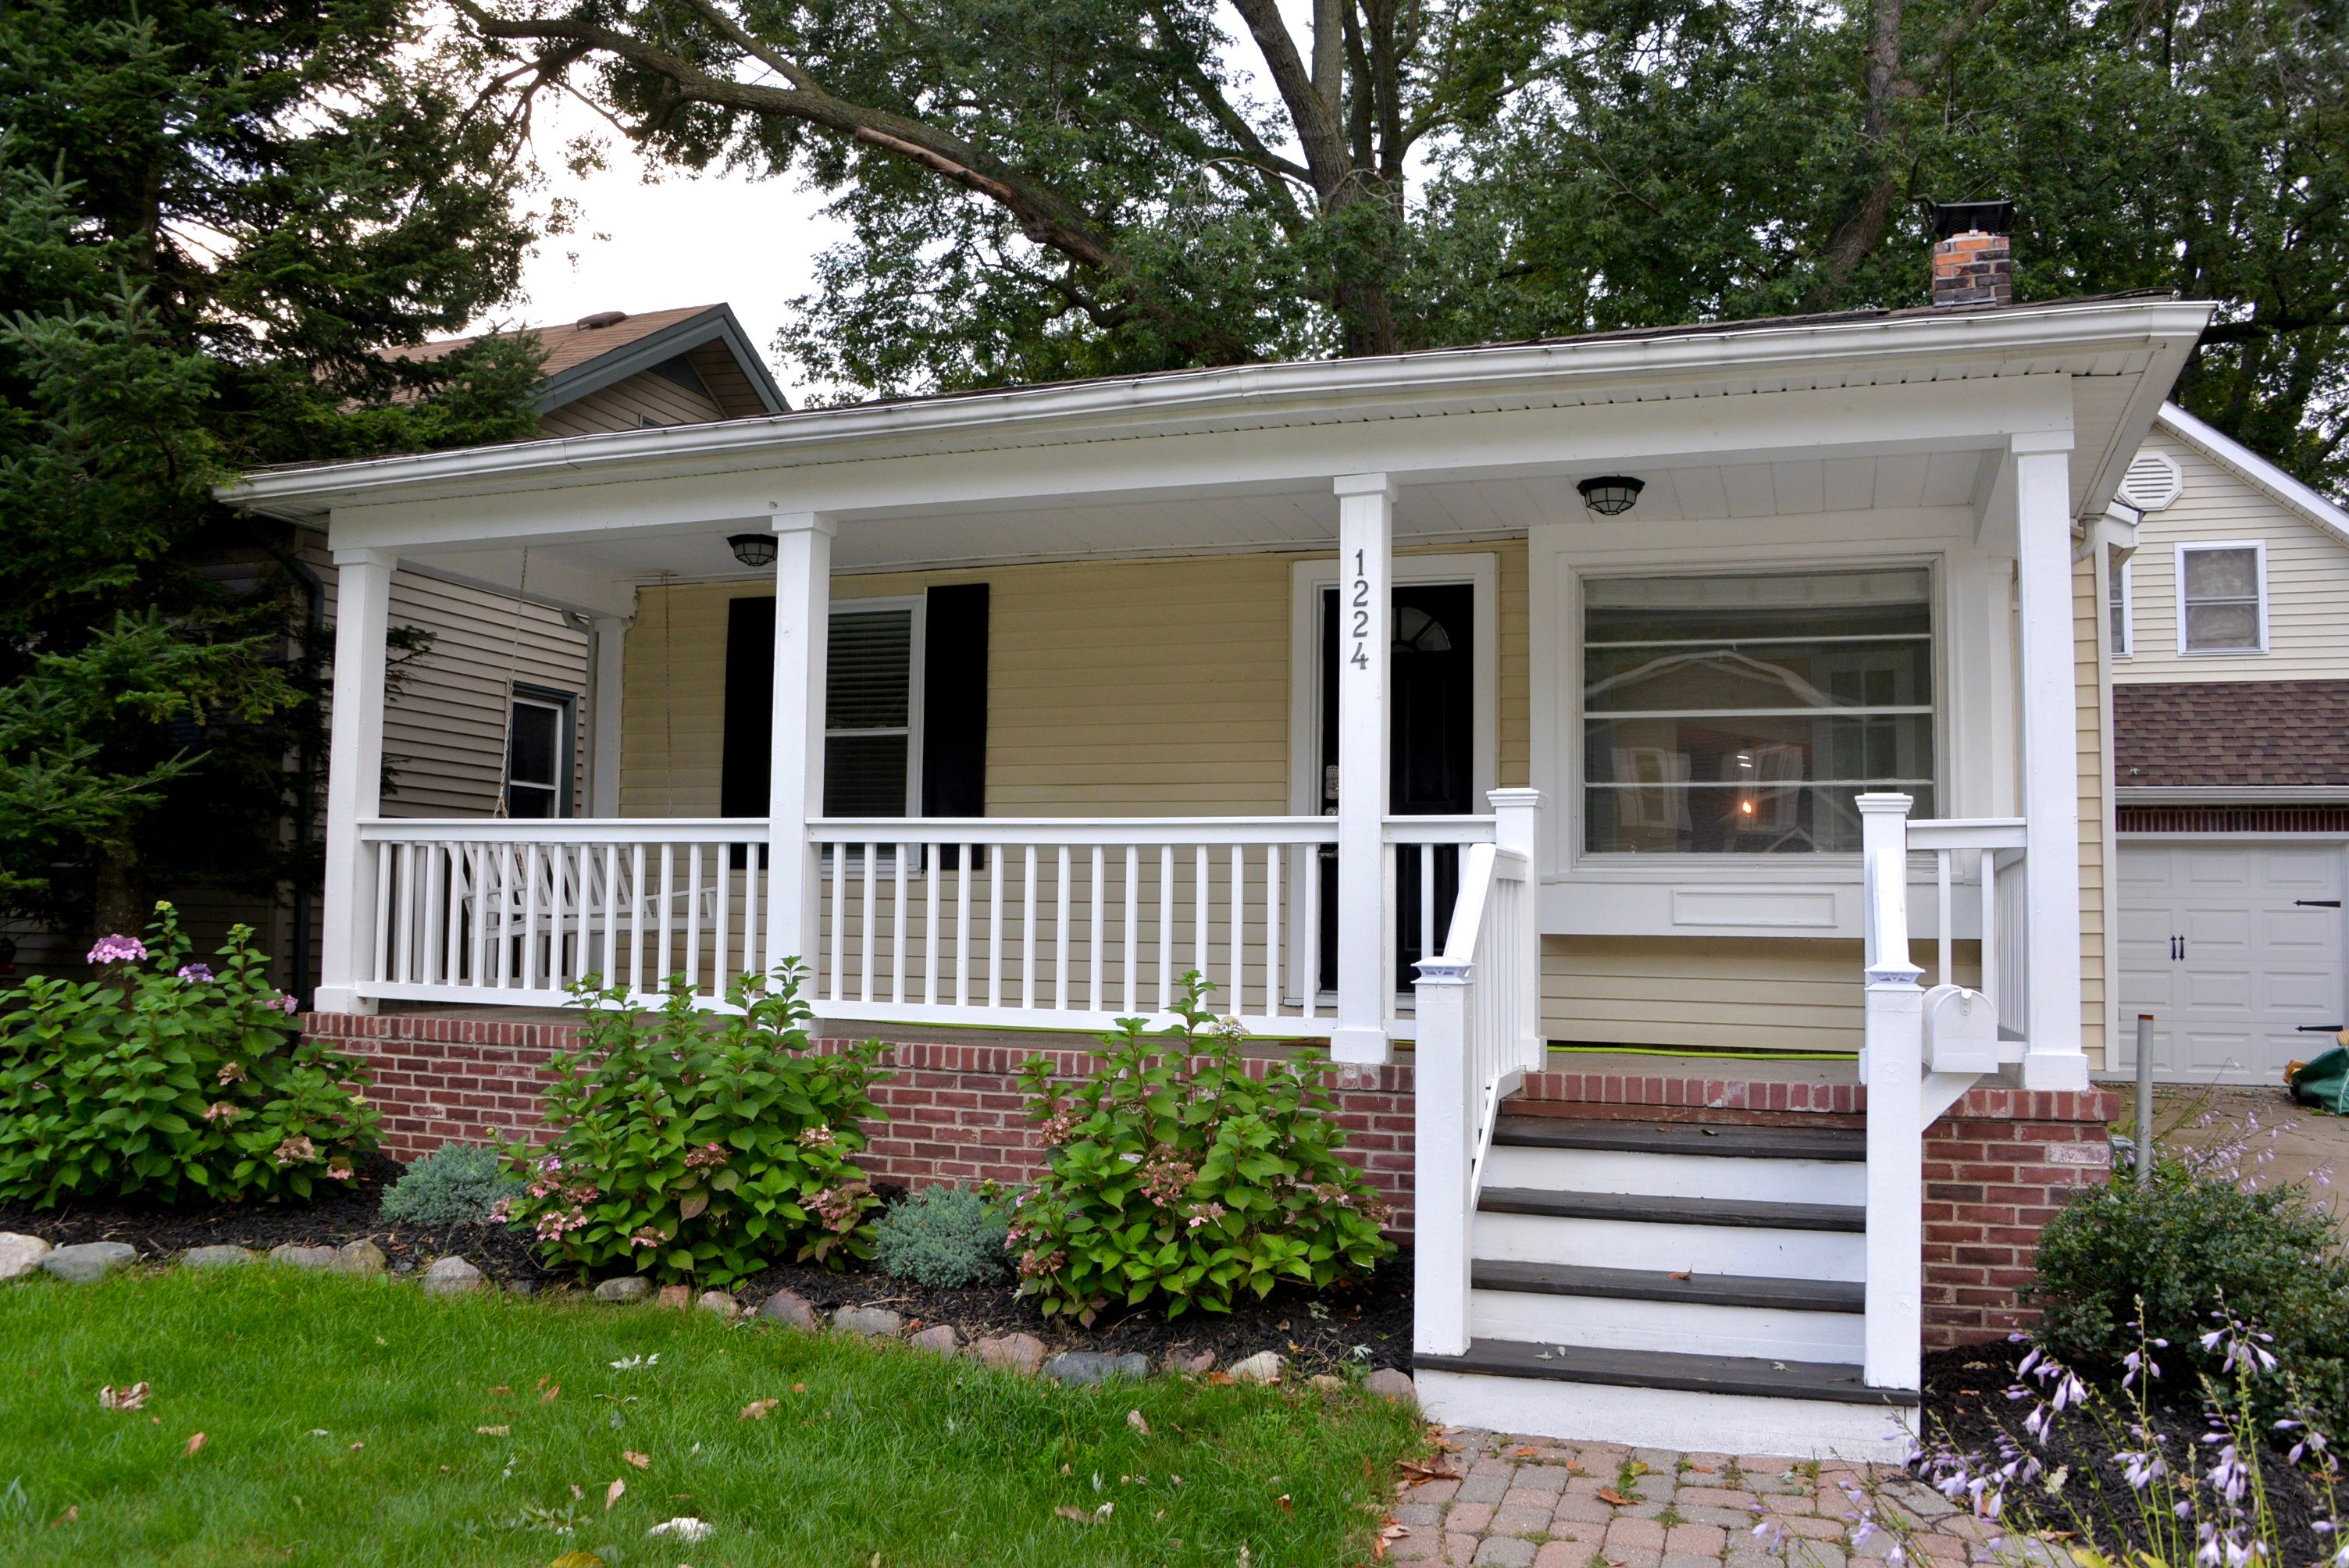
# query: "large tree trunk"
121,901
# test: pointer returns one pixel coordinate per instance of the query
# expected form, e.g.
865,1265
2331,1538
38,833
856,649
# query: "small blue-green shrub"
453,1185
942,1238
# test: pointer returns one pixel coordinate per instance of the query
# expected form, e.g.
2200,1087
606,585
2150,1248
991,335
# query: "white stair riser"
1775,1333
1643,1244
1667,1418
1676,1175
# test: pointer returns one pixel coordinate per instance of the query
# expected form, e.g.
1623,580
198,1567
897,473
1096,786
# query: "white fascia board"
2256,472
2015,341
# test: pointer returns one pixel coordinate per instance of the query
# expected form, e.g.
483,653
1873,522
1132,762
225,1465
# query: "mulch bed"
1965,1402
1366,1326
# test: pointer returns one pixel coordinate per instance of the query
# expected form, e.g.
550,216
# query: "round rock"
216,1257
675,1297
1192,1362
793,1310
1081,1366
20,1255
361,1258
718,1302
303,1258
1264,1366
941,1339
1019,1352
1390,1384
453,1276
874,1322
88,1261
629,1287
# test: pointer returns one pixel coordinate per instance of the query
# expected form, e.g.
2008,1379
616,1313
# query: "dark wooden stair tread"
1738,1375
1652,1284
1643,1208
1770,1141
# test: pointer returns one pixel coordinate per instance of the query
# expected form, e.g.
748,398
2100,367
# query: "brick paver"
1534,1502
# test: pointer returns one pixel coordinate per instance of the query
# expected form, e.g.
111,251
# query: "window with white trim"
538,753
2122,609
1741,715
2223,598
872,710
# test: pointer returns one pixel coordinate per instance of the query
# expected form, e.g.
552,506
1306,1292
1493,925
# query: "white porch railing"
1479,1006
513,912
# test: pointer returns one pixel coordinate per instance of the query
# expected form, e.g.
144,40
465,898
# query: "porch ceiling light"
1611,495
753,549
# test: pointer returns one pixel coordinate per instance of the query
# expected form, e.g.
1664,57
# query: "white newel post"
795,775
1516,825
1442,1098
606,640
1365,895
2050,783
1891,1064
354,776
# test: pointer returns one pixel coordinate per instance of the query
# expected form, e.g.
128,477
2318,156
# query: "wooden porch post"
795,765
2051,765
606,637
1365,893
354,776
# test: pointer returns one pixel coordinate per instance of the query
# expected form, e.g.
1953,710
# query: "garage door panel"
2301,873
2225,871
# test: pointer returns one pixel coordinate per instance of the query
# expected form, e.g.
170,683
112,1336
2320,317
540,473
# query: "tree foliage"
214,214
1056,188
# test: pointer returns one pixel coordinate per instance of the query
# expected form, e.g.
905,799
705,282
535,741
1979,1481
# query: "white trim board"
2258,549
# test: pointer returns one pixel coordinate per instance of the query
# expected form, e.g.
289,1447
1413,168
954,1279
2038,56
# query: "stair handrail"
1891,1066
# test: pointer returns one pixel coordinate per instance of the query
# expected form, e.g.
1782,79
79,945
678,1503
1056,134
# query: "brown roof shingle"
2255,734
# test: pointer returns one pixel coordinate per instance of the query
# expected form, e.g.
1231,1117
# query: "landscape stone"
719,1302
88,1261
453,1276
1193,1363
360,1257
874,1322
1326,1381
301,1257
1393,1385
629,1287
1264,1366
940,1339
522,1288
793,1310
675,1297
1081,1366
20,1255
216,1257
1019,1352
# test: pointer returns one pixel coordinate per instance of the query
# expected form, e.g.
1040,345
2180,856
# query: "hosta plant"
171,1080
1175,1176
694,1147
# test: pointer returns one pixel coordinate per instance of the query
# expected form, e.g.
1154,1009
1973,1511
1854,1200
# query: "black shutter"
953,704
750,707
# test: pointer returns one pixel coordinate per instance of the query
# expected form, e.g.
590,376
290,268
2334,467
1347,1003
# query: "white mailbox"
1960,1031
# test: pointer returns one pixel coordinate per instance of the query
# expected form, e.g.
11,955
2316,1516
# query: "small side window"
2122,610
2223,598
538,753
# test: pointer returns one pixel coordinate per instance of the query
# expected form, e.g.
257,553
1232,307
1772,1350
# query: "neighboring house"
1696,690
2229,629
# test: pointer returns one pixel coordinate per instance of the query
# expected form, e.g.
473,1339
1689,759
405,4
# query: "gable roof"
597,351
2197,734
2256,472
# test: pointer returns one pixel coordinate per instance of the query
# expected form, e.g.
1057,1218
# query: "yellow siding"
1726,993
2308,582
628,405
2094,759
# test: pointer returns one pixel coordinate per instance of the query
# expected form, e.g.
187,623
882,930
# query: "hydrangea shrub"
171,1080
1174,1175
692,1146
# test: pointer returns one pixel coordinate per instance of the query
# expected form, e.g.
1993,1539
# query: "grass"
344,1423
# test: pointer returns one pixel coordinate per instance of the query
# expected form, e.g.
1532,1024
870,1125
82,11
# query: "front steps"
1688,1284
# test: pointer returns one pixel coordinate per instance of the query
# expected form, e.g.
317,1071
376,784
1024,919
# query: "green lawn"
344,1423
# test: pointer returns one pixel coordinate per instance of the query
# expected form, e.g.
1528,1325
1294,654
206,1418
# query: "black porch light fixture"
1611,495
753,549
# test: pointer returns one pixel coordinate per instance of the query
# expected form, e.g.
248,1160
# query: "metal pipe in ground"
2144,1094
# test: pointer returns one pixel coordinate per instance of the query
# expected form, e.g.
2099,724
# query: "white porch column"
354,776
2051,764
1446,1096
1365,896
796,764
1891,1064
607,639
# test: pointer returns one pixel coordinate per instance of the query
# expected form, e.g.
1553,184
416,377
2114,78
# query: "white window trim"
915,663
2125,646
566,762
2258,549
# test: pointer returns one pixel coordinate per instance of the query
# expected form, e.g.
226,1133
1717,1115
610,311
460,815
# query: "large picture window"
1741,715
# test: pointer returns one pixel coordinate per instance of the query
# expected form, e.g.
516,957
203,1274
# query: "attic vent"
602,318
2154,481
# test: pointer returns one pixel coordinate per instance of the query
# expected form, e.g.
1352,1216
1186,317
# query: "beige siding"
628,406
1724,993
2094,763
2307,574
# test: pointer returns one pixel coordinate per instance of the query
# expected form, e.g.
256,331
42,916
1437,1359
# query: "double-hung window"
1741,715
2223,598
538,753
871,711
2120,607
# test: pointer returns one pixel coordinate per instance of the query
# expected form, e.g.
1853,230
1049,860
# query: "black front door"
1430,767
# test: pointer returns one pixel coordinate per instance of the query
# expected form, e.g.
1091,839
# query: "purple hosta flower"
195,974
2143,1467
116,948
2137,1361
221,1110
2230,1477
232,1072
295,1150
2310,1441
285,1004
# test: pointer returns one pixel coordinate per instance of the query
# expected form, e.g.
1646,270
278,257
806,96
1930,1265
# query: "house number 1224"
1361,608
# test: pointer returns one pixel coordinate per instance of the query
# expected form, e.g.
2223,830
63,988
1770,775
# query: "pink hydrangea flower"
116,948
339,1171
195,974
296,1151
220,1111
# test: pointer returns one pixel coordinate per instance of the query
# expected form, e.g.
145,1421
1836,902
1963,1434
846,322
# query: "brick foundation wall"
1996,1167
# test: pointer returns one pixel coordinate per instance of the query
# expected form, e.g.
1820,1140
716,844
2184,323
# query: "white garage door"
2231,947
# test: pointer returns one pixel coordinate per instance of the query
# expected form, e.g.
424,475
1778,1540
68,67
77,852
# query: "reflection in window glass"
2222,600
1742,715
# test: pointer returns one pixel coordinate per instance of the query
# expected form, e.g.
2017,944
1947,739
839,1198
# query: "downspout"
305,776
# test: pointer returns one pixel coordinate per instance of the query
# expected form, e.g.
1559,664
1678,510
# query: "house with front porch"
1666,771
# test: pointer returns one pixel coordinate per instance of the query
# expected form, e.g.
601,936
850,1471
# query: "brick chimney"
1974,260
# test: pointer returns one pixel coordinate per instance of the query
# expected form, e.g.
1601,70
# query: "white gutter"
1100,410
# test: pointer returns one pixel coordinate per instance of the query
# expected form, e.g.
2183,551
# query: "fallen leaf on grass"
642,1462
577,1560
799,1388
1134,1418
1283,1500
613,1494
1609,1494
756,1411
493,1431
356,1447
72,1512
499,1389
548,1397
112,1398
195,1446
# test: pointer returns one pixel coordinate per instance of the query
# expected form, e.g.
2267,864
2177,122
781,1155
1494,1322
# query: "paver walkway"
1535,1503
